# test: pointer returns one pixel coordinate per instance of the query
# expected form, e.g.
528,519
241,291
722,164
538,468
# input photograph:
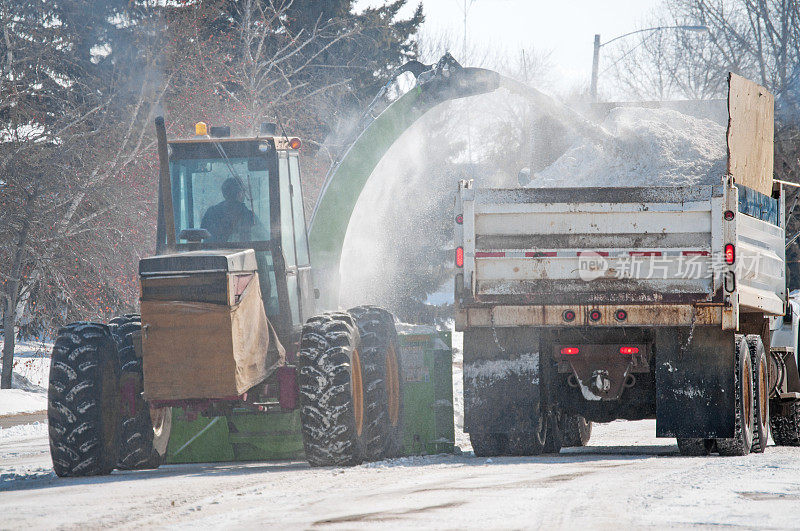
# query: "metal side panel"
695,382
633,243
604,194
567,222
428,423
760,270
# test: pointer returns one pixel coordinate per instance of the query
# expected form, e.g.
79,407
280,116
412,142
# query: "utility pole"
467,5
595,65
598,45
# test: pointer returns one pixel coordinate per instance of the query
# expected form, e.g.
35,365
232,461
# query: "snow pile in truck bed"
650,147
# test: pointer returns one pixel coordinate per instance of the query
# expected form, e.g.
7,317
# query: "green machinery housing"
248,436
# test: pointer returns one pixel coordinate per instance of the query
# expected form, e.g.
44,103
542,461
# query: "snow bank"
29,380
651,147
23,431
13,401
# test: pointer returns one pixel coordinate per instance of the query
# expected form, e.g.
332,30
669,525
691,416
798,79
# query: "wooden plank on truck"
751,130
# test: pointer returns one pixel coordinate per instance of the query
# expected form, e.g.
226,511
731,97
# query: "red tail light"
569,315
459,257
570,351
728,215
629,350
730,253
460,219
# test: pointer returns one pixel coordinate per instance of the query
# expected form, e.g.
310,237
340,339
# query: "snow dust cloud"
399,245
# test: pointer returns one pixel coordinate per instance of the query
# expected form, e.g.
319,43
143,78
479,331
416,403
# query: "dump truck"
561,327
229,331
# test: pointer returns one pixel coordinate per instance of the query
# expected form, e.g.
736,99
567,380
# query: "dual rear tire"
751,396
98,419
83,401
144,432
349,379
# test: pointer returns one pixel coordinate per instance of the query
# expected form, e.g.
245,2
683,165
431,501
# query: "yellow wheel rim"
357,391
747,395
393,385
762,392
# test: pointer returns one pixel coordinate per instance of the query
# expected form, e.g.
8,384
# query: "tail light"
620,315
730,253
569,315
629,351
460,219
594,315
728,215
459,257
570,351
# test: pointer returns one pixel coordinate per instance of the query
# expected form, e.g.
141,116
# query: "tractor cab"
242,193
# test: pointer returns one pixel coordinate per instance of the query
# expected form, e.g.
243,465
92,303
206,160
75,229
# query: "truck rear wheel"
785,424
760,393
488,444
83,401
137,450
575,430
695,447
331,384
383,391
742,441
527,443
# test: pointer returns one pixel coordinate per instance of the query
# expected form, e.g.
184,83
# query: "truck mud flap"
501,380
501,396
695,383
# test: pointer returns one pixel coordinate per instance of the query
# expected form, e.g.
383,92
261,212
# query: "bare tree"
73,129
759,39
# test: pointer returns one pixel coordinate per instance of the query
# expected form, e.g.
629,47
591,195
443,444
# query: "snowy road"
626,477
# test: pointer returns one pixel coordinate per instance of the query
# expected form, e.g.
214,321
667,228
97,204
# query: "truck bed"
621,245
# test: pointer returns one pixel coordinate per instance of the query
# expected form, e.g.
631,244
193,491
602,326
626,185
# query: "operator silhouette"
230,220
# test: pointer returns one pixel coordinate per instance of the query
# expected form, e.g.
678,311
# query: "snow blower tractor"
228,359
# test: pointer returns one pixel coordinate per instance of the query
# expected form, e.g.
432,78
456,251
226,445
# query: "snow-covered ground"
625,477
31,369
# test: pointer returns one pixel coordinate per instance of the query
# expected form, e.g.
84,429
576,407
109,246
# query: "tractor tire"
575,430
695,447
488,444
785,424
83,401
383,377
137,449
331,384
744,428
760,393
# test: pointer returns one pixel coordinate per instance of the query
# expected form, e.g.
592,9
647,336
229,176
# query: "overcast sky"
566,28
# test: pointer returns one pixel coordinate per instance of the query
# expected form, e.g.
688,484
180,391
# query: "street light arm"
657,28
